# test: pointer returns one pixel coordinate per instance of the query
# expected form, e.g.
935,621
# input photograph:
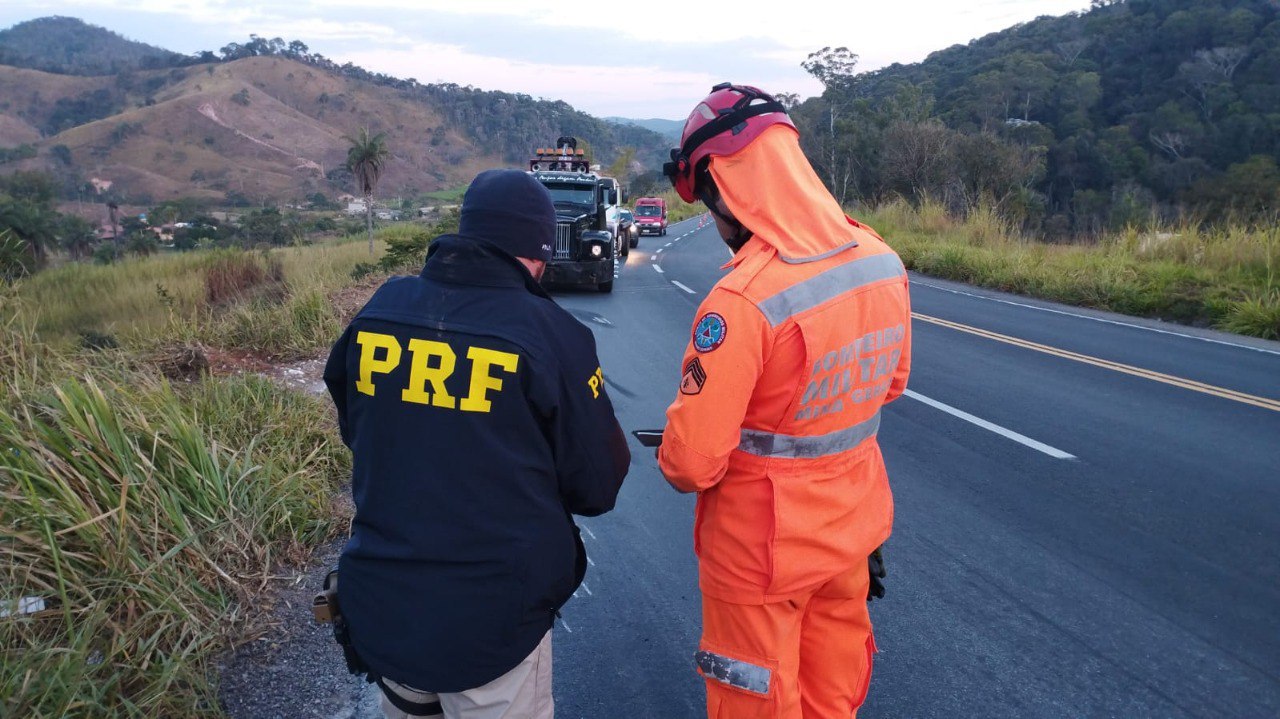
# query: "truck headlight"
596,250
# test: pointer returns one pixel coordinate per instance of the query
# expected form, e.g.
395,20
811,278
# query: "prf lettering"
430,364
596,382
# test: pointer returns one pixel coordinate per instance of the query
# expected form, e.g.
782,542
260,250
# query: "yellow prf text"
596,382
430,364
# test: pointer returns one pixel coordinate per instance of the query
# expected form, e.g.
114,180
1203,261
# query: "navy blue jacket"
477,418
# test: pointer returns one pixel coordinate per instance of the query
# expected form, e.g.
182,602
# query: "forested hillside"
1073,124
258,122
69,46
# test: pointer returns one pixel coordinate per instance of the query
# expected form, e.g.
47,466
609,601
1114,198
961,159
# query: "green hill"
262,122
73,47
1073,123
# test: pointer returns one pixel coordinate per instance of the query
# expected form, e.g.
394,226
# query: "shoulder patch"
709,332
694,377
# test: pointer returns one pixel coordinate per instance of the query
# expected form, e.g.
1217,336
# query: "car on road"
628,229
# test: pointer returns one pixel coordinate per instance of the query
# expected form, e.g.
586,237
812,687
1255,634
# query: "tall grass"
1226,277
144,300
147,519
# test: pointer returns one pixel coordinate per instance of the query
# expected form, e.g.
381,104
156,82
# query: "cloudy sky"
643,59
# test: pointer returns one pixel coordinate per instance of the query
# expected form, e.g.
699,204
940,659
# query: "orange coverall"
793,354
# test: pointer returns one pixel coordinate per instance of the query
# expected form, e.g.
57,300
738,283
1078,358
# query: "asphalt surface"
1075,535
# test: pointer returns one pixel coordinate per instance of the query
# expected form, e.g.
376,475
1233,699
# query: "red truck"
651,215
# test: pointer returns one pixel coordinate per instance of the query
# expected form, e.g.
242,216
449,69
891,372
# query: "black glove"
875,567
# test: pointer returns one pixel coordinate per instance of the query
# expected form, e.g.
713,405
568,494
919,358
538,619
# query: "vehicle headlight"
596,250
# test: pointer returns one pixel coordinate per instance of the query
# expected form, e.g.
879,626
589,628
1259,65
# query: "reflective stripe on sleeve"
827,286
768,444
734,672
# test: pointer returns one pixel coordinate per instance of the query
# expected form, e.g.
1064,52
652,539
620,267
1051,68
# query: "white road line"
677,283
1002,431
587,529
587,589
659,250
658,268
654,258
667,245
1096,319
590,560
566,626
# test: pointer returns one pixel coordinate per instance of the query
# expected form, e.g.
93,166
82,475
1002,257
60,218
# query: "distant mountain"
266,122
667,128
70,46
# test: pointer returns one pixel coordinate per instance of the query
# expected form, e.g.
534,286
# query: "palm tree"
365,159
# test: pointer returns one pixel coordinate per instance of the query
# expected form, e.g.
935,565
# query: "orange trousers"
808,657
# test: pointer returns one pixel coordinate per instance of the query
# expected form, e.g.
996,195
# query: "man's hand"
875,567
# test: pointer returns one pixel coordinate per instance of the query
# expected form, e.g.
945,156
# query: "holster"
325,608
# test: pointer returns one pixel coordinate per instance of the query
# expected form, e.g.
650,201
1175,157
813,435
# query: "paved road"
1087,524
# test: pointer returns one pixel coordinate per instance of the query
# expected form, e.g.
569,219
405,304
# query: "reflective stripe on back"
828,285
734,672
769,444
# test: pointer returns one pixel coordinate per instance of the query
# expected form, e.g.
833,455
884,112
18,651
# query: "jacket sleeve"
335,379
719,375
591,451
903,369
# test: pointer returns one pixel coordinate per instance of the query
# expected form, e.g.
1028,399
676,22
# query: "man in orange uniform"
793,354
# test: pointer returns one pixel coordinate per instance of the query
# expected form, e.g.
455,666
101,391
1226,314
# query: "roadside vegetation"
143,517
150,495
1225,276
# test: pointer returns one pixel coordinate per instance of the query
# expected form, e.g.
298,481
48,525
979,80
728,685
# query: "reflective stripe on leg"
734,672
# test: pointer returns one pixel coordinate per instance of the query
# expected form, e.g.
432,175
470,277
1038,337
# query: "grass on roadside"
142,301
146,517
1227,278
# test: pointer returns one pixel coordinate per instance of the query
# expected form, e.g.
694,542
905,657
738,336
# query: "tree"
366,157
76,236
622,165
833,67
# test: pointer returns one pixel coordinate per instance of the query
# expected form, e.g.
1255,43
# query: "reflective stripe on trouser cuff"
824,287
734,672
768,444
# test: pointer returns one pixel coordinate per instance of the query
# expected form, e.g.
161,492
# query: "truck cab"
586,247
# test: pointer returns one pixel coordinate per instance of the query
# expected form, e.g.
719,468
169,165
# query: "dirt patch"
225,362
349,300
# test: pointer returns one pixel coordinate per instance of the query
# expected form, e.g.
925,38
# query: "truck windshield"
572,192
648,211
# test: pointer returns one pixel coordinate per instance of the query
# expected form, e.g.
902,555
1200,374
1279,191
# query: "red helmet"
723,123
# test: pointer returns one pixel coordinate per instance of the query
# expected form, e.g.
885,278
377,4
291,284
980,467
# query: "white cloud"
598,91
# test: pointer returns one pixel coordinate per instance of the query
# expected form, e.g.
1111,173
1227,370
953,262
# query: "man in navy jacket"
477,416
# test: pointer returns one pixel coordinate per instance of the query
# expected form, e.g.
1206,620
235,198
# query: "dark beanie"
513,211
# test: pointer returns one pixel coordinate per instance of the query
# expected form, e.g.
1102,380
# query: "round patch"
709,332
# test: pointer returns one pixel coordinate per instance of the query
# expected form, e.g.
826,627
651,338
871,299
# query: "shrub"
235,276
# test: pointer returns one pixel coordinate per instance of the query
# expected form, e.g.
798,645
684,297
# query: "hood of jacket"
772,189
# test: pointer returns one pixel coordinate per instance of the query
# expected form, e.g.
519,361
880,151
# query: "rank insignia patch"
709,332
694,377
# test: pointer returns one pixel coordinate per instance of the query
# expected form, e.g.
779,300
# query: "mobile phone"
648,437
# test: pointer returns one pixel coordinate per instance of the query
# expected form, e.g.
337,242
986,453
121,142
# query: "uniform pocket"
738,686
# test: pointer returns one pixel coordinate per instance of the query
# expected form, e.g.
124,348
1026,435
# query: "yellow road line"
1264,402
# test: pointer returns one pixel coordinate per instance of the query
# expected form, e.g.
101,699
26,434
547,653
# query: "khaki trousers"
522,693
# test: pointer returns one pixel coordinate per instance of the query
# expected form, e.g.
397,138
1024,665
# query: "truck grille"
564,241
